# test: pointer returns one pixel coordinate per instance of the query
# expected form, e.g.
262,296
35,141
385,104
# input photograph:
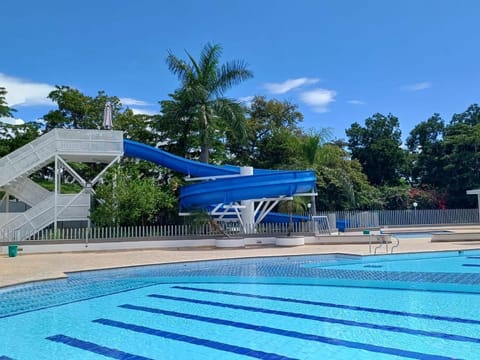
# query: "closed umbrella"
107,116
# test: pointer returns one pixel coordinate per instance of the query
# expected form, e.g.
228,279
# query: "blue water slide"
262,184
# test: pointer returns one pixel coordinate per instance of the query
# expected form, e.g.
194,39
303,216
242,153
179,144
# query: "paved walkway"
33,267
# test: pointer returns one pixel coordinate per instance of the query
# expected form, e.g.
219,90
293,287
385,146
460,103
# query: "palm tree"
202,93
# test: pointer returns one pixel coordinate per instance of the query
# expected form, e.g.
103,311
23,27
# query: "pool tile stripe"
287,333
95,348
473,265
397,329
193,340
332,305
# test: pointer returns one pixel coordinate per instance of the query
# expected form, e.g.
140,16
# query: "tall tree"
425,144
447,158
462,157
341,184
377,147
5,110
272,135
204,84
78,111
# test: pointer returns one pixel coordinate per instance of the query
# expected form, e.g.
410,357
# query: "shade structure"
107,116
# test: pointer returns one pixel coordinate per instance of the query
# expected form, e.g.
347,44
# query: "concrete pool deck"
34,267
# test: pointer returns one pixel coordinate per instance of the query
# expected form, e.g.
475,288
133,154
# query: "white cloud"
130,101
288,85
143,111
356,102
417,86
25,93
246,100
12,121
319,99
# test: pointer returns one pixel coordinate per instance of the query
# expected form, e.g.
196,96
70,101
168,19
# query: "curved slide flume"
262,184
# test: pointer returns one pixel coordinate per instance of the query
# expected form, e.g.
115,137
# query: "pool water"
415,235
305,307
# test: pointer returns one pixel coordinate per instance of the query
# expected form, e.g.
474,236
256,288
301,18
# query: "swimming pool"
418,234
299,307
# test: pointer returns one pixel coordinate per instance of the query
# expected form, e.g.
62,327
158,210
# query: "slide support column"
248,206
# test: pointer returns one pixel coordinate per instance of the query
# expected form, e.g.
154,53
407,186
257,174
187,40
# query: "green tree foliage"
395,197
462,157
136,126
273,135
200,103
78,111
5,110
126,197
13,137
341,184
447,157
377,147
425,143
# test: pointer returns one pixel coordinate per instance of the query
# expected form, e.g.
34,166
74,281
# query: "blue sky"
340,61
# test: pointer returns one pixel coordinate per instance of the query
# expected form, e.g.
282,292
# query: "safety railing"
27,190
26,224
155,232
89,145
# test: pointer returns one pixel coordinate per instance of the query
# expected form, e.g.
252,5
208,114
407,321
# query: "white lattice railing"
69,207
27,191
28,158
86,145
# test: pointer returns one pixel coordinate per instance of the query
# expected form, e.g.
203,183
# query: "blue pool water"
414,235
416,306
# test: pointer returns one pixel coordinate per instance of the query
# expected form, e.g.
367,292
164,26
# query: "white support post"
55,197
6,199
99,176
478,204
71,171
248,206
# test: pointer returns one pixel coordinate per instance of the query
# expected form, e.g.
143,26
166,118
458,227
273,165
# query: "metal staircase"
26,190
25,224
58,146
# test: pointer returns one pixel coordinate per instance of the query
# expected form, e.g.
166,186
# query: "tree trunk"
204,147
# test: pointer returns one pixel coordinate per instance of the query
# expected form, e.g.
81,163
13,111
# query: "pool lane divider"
332,305
277,331
193,340
95,348
392,328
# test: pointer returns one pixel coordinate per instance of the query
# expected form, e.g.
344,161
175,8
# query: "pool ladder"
382,241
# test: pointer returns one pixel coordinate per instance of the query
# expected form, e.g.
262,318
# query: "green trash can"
12,250
366,232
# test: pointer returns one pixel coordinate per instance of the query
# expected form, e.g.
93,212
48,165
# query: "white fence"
156,232
381,218
342,220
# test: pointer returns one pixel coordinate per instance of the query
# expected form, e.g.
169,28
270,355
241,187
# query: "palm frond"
232,113
179,67
209,57
196,69
231,73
